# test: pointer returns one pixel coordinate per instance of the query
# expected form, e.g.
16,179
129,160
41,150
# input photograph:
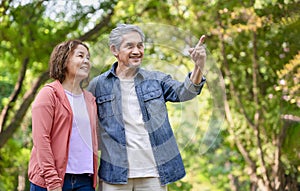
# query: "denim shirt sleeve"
195,88
176,91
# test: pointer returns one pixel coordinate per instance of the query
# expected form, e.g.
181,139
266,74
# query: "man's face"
131,51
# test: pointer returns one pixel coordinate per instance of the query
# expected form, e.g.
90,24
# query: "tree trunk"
21,182
20,113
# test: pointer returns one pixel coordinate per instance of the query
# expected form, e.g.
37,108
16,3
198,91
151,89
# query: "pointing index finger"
201,41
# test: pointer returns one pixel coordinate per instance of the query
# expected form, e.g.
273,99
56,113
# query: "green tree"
251,41
255,45
28,33
257,52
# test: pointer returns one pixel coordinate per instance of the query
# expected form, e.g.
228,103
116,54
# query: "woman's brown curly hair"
59,58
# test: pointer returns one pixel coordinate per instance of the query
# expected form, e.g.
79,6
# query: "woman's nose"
86,60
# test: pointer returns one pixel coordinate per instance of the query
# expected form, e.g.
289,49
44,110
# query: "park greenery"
240,134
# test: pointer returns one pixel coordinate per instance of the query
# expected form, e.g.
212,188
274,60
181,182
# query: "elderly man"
138,147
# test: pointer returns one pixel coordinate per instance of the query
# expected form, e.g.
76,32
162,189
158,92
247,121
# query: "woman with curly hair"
64,120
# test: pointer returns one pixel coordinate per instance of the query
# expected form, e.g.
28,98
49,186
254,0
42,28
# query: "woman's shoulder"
48,93
89,95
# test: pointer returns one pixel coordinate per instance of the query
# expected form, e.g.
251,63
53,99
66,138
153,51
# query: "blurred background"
241,134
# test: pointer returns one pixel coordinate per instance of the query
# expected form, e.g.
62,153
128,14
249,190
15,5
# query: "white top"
140,156
80,158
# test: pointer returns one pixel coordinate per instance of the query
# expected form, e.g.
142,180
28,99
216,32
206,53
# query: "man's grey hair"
116,35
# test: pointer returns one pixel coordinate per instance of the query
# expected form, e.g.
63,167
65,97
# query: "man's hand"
198,54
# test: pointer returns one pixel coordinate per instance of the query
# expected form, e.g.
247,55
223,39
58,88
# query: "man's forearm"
196,76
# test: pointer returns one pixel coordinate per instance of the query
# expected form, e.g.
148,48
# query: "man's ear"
114,50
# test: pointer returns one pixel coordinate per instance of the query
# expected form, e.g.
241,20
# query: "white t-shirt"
80,158
140,156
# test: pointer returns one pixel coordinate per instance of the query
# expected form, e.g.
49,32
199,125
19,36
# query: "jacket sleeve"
43,110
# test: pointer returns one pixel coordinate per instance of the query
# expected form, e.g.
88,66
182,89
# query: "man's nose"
135,50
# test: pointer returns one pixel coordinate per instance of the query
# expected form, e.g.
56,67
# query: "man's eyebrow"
131,43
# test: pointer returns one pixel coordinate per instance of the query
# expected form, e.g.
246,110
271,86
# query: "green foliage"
28,33
207,142
13,162
5,89
289,81
180,185
291,145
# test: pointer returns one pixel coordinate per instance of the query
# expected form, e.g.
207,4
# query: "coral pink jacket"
51,129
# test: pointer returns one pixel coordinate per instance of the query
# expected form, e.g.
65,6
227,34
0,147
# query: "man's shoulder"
101,76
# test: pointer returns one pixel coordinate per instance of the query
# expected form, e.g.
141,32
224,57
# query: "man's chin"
135,65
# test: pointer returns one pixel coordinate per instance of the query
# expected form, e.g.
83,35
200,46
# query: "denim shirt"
153,90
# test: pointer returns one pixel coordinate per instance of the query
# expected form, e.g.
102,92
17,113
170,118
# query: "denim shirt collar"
112,72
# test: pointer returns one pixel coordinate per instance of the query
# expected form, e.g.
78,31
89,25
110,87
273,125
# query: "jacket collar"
57,86
60,93
58,89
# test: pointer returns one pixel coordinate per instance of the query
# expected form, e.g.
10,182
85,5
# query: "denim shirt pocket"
155,103
105,105
152,95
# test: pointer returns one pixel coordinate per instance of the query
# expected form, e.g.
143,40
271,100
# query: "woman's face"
78,64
